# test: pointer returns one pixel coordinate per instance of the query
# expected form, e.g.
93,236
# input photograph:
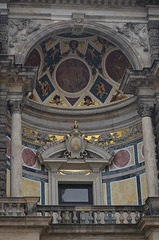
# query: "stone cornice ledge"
79,112
93,3
148,222
29,221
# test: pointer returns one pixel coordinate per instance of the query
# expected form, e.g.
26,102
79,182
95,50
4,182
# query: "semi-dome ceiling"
77,71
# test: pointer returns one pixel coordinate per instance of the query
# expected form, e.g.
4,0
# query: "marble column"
15,108
145,111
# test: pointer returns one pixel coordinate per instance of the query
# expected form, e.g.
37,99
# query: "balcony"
47,221
23,207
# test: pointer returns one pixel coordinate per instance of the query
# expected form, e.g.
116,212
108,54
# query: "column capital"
15,106
145,110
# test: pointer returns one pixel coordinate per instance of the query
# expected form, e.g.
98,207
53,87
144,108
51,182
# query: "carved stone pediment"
75,150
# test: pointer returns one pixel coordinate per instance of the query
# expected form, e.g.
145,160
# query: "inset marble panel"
124,192
30,188
143,187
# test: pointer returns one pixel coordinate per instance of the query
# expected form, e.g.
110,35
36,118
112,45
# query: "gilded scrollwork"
104,140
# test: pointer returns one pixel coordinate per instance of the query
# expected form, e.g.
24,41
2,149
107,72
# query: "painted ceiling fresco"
77,72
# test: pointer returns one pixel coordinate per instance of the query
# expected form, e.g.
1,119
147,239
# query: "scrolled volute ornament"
15,106
145,110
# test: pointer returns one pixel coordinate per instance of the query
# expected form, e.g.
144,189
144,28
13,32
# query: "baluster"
129,218
98,217
51,213
18,211
43,213
90,218
2,210
75,216
113,217
10,210
137,216
67,217
121,218
59,218
82,219
106,218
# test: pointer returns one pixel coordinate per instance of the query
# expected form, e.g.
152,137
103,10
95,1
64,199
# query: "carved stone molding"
153,31
15,106
12,75
145,110
99,3
133,80
3,31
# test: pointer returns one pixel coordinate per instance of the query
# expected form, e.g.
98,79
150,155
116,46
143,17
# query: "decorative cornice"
79,112
11,73
135,79
94,3
145,110
15,106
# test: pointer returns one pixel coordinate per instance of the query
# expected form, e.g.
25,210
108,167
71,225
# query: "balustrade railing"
18,206
92,214
28,206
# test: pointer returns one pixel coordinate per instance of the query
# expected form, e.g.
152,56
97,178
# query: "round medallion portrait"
115,64
72,75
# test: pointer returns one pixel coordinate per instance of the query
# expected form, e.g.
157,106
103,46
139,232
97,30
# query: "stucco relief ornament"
78,23
20,29
76,143
136,34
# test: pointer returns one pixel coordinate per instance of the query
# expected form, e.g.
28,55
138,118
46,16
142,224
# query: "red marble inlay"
121,158
29,157
8,147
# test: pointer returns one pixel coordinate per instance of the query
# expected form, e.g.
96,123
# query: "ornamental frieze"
105,139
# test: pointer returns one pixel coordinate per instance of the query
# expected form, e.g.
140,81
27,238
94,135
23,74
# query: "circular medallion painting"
116,63
72,75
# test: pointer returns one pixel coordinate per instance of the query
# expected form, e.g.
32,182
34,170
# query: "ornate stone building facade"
79,134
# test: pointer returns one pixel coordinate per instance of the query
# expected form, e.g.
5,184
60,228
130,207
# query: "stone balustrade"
92,214
28,207
18,206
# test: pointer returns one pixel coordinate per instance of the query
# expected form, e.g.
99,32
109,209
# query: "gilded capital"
145,110
15,106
